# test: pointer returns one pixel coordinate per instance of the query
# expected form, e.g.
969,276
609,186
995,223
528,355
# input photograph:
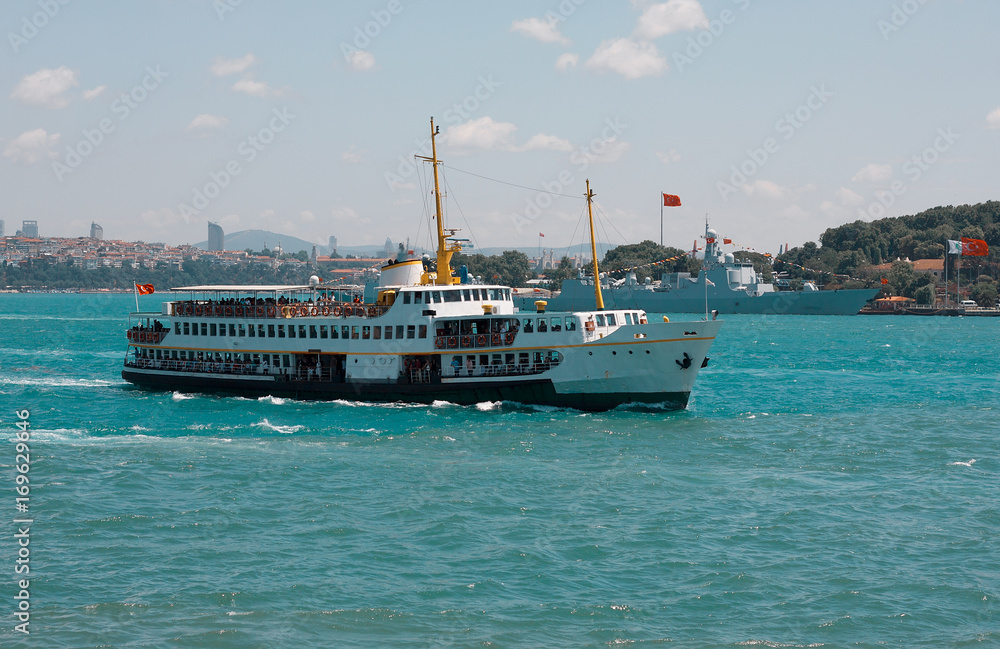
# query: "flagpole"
946,276
661,219
135,290
958,282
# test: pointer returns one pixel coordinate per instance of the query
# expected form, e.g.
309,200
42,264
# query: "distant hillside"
259,239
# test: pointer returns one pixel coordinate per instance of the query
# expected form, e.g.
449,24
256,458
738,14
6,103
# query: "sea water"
833,482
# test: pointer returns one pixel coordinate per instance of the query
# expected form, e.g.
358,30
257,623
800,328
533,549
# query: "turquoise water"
833,483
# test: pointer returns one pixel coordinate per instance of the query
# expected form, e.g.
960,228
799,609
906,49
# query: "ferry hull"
576,295
536,391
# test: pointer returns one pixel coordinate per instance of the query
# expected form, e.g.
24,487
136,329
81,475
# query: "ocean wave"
284,430
486,406
180,396
969,463
59,383
276,401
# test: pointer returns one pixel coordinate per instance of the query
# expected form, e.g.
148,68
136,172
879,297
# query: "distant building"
389,249
96,231
216,237
1,227
333,246
29,229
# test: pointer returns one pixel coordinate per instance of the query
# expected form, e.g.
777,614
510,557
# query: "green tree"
641,255
985,294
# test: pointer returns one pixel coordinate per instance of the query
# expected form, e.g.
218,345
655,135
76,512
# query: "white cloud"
255,88
542,142
668,157
351,156
993,119
165,219
91,95
306,216
767,190
873,173
610,150
669,17
31,147
848,197
361,60
224,67
207,121
489,135
46,87
629,58
567,61
546,31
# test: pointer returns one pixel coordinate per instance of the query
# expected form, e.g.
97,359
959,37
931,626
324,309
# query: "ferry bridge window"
270,331
542,326
333,331
406,297
611,320
302,331
355,332
291,331
177,328
186,329
345,332
366,332
388,332
527,326
232,331
600,320
435,296
212,329
241,330
173,354
312,331
466,295
252,332
556,324
322,331
423,331
194,328
411,331
204,329
260,331
377,333
399,331
506,293
417,297
452,296
628,318
281,331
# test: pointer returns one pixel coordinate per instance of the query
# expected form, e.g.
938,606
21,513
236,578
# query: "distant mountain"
260,239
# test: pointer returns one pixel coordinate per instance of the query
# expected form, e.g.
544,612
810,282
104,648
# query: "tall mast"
593,248
444,249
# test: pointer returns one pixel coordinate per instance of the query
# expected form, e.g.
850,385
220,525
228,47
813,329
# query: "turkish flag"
144,289
669,200
727,241
974,247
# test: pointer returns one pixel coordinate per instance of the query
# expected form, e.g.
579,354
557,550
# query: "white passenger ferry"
426,337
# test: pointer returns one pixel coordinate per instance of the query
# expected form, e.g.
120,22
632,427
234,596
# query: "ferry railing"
210,309
231,368
475,341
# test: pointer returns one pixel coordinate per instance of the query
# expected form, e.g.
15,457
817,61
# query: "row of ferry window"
555,323
274,360
345,332
457,295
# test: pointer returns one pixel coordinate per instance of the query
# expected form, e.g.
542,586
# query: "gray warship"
724,285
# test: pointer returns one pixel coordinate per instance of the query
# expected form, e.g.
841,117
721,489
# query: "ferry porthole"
630,351
591,353
647,351
614,353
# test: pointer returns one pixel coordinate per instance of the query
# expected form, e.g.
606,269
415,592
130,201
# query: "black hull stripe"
537,392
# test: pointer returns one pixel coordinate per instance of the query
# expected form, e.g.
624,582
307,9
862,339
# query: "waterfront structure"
96,231
29,229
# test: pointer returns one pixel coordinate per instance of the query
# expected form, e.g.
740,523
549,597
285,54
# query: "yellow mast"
593,248
444,249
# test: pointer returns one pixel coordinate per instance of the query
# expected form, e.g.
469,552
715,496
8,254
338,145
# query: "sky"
776,119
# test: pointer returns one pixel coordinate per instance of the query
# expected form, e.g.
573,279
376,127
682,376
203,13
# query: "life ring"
326,310
286,312
337,311
466,341
348,311
509,338
453,341
197,309
270,312
260,312
229,312
239,311
303,310
141,336
496,339
481,340
314,311
372,311
439,342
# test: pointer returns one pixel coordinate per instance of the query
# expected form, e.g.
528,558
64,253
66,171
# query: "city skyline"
777,120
